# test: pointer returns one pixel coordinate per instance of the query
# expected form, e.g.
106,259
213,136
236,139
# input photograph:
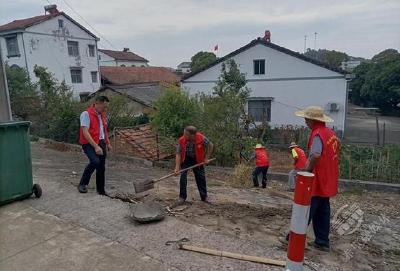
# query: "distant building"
55,41
184,67
135,75
124,58
281,82
350,65
140,98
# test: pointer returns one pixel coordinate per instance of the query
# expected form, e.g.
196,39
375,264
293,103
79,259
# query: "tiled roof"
133,75
121,55
270,45
24,23
145,94
143,140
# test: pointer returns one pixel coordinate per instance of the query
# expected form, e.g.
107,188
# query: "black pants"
96,162
320,215
256,172
199,175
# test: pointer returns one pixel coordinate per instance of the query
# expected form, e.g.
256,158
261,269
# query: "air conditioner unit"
333,107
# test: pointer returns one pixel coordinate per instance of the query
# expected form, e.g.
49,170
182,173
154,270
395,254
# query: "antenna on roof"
315,41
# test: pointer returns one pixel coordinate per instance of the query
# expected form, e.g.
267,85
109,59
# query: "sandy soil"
262,216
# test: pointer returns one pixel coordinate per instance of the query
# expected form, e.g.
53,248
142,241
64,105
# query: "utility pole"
5,108
305,43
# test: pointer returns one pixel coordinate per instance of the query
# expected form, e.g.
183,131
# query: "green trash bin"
16,163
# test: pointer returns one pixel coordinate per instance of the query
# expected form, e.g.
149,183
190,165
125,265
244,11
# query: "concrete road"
66,230
33,240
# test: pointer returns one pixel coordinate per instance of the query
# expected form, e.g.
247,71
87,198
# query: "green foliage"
174,111
330,57
59,112
23,95
377,82
224,113
202,60
370,163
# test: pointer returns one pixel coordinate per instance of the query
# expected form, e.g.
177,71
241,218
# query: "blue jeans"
96,162
320,215
199,175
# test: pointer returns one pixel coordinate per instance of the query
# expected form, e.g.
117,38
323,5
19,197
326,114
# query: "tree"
59,112
332,58
224,113
377,82
174,111
23,95
202,60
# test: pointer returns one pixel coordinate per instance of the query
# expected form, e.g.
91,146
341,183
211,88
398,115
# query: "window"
259,66
94,77
123,65
91,50
73,48
76,75
12,46
60,23
133,66
259,109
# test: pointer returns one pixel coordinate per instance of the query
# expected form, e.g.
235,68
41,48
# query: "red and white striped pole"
299,221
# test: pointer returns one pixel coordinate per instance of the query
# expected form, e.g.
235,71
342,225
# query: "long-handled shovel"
142,186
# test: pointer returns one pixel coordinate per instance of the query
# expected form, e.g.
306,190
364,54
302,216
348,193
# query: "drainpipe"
26,60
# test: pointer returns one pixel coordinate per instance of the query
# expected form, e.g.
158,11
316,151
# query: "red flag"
216,47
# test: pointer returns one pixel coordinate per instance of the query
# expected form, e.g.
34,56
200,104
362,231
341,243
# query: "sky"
167,32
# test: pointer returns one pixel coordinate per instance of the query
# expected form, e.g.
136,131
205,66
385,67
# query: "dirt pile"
241,176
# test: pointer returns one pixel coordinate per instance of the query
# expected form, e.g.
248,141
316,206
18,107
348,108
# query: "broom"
145,185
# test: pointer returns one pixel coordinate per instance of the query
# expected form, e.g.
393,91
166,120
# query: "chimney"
267,36
126,49
51,9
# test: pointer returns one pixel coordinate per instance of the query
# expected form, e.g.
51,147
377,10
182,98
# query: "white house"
55,41
350,65
281,82
124,58
184,67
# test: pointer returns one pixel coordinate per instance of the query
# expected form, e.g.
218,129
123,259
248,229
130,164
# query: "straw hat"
292,145
314,113
259,146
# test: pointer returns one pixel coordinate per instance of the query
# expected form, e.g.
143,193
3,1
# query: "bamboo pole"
237,256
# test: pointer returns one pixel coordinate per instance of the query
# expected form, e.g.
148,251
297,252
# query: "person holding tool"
93,137
193,148
262,164
300,160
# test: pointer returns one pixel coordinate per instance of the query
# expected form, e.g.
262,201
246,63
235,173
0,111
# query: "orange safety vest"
301,160
327,169
94,129
198,145
262,158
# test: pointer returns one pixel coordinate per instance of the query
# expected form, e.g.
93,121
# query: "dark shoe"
322,248
256,186
103,193
206,200
82,189
264,185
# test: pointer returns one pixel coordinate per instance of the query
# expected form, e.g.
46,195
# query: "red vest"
94,129
327,169
262,158
198,145
301,160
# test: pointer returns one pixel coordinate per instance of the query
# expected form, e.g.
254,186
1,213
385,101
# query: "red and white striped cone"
299,221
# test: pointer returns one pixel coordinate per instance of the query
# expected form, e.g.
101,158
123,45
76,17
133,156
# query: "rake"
145,185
